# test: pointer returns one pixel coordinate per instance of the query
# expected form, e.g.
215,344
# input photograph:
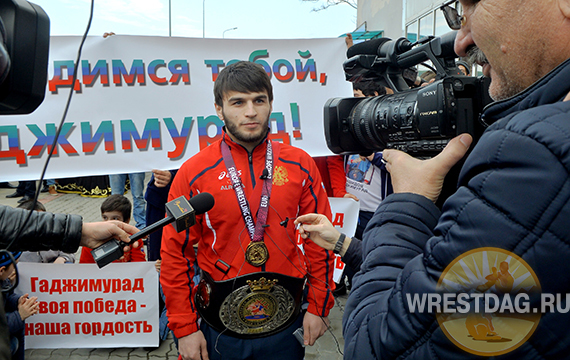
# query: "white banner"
82,306
146,102
345,219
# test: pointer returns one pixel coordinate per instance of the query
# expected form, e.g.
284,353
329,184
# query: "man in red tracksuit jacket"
249,176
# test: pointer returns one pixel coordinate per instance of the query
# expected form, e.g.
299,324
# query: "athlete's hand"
193,347
313,328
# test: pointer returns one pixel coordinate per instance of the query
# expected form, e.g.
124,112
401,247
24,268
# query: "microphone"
181,212
369,47
265,174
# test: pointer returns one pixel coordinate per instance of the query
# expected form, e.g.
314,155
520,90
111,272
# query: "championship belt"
250,306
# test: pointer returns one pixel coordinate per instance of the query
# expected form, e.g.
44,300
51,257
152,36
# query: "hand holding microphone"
181,212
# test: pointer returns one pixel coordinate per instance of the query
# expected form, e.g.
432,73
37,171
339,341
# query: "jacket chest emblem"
280,176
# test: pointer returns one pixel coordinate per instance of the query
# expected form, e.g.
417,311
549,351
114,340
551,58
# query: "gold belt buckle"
260,306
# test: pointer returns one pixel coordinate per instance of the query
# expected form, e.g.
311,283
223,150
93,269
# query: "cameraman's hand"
193,347
424,177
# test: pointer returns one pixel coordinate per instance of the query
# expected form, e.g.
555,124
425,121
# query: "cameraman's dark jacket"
43,231
514,194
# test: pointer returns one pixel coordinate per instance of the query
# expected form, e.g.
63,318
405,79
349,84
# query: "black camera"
419,121
24,52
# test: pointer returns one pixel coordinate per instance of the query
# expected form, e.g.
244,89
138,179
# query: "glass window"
441,26
426,25
412,32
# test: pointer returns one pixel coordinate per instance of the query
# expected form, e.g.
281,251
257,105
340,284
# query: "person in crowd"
335,186
365,88
49,187
331,167
464,67
246,242
156,196
163,329
20,229
136,181
116,207
44,256
18,307
428,77
6,185
409,242
26,190
367,180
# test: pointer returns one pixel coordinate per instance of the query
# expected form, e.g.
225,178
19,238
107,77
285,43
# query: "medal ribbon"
255,229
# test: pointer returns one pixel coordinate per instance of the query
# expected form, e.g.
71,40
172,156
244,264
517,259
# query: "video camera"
419,121
24,51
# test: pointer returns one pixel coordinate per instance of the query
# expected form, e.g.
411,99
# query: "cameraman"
45,231
513,193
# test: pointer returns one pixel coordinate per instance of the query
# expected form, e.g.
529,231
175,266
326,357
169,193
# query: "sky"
254,19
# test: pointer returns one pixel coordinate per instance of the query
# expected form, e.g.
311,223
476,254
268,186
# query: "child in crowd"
45,256
116,207
18,308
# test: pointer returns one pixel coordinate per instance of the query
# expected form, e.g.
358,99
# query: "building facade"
413,19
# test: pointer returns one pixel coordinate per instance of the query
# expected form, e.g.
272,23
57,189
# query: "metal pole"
224,33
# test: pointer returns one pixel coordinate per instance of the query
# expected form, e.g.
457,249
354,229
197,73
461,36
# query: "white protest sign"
144,102
82,306
345,219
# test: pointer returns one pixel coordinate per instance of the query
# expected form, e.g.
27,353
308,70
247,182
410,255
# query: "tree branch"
329,3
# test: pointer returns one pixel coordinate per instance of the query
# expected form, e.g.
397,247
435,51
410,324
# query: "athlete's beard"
255,139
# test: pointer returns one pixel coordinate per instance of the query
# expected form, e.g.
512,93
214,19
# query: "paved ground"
327,347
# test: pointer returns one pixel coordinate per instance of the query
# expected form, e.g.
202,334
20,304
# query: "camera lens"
378,121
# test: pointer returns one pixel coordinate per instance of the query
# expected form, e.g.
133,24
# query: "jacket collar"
551,88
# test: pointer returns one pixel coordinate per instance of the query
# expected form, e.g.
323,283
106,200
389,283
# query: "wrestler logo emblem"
489,285
280,176
260,307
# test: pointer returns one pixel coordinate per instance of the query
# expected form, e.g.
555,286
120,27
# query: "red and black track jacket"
221,233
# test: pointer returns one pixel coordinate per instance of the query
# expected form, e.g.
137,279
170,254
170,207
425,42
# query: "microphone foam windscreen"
369,47
202,202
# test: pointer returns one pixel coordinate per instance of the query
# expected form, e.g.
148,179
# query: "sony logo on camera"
429,93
